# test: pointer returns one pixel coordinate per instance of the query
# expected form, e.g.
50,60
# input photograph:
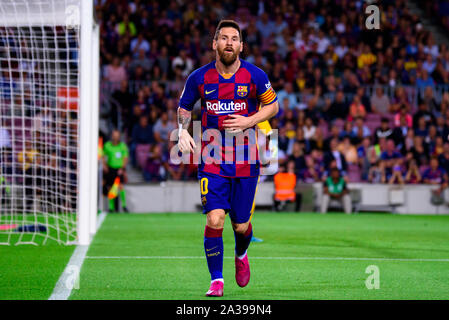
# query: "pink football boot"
242,273
216,289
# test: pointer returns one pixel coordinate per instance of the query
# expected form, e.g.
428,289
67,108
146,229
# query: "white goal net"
43,159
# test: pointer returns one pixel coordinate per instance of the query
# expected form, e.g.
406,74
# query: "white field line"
63,287
265,258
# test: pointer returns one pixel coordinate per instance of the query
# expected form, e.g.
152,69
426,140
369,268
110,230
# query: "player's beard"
226,57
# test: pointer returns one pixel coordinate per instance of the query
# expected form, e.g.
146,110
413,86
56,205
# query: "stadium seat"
339,123
396,197
354,173
142,153
372,125
324,129
373,117
423,169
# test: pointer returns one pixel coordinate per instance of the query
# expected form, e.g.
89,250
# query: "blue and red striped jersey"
243,93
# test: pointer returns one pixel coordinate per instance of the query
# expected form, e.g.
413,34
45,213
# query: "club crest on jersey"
242,91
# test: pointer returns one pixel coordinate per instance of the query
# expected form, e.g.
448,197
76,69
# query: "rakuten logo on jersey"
225,107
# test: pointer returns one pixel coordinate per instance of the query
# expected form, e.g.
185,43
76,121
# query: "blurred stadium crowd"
373,103
437,9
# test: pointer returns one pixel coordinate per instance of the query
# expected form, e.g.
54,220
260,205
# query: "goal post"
49,100
88,152
95,195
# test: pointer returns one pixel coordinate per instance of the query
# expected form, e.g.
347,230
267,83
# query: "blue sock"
242,241
213,247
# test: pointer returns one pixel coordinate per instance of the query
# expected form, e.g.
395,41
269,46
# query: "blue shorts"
235,196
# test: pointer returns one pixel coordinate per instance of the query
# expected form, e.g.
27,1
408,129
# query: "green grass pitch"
303,256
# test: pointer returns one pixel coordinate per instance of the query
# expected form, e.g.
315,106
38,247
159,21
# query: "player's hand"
185,141
237,123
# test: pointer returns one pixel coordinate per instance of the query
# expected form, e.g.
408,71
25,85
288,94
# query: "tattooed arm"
184,118
185,141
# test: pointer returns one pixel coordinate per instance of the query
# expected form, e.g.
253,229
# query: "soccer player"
114,163
235,96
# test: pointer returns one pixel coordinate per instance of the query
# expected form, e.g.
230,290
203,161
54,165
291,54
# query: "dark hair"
434,158
335,170
290,161
228,24
283,167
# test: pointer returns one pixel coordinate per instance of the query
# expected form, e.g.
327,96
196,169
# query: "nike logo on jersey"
211,249
208,92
